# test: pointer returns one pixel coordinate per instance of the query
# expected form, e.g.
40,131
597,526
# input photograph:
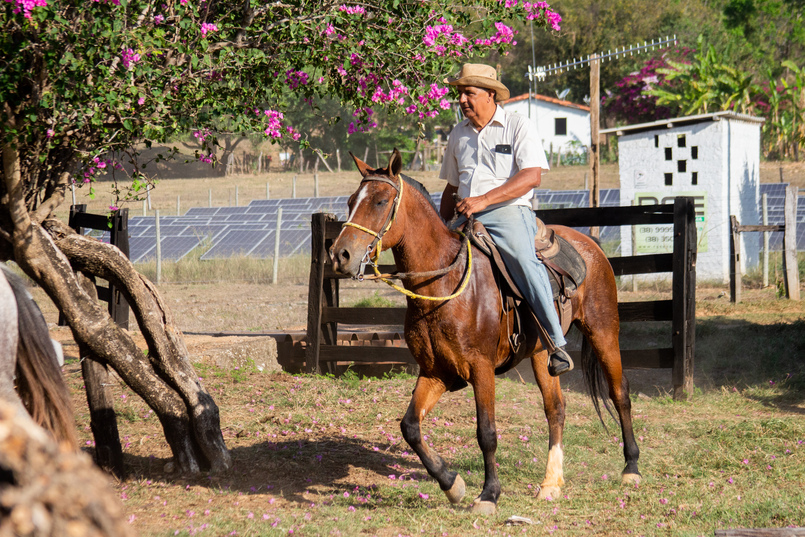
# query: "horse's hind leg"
605,345
554,405
426,394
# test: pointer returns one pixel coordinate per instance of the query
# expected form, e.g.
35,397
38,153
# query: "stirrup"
559,362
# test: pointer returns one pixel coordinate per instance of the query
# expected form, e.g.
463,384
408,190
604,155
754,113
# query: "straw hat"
480,76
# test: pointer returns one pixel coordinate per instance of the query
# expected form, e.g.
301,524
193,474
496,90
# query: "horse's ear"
364,168
395,163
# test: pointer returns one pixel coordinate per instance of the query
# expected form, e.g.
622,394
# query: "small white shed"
714,158
564,126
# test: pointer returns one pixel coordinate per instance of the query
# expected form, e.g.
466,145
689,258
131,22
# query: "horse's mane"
421,189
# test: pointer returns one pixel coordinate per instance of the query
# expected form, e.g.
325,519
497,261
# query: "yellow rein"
379,248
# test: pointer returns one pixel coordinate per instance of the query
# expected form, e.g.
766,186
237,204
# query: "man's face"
477,104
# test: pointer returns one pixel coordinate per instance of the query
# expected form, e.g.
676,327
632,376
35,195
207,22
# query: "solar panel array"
775,193
250,230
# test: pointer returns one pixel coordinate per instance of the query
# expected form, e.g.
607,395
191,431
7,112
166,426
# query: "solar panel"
203,231
231,210
175,248
201,211
235,242
140,247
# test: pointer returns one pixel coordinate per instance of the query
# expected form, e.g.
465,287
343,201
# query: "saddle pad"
568,260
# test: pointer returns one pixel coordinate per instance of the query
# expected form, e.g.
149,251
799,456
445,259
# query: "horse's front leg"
426,394
554,405
483,382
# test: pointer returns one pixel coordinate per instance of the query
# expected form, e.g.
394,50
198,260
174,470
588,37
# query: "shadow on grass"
767,361
289,468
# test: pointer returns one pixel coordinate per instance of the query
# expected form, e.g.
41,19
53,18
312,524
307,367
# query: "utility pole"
595,163
594,62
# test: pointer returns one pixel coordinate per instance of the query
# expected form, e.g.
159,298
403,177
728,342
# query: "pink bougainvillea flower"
208,28
26,6
129,58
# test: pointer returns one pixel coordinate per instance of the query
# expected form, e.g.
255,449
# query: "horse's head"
373,210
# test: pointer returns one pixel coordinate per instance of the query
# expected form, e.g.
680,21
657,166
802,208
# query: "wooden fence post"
790,263
735,261
119,236
765,222
275,268
684,297
321,292
102,417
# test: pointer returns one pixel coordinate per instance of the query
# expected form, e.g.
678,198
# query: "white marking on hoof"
631,479
456,492
551,486
485,508
549,493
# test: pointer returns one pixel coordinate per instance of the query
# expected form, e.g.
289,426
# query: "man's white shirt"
478,161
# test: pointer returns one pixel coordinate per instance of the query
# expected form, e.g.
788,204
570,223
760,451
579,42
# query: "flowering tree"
86,78
629,103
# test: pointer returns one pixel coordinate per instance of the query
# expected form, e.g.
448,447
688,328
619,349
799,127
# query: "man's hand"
470,206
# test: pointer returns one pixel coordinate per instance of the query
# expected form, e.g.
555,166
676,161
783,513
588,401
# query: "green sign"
659,238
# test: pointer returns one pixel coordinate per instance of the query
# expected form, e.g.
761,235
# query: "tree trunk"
164,379
167,355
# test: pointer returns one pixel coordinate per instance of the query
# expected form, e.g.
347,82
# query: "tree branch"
53,201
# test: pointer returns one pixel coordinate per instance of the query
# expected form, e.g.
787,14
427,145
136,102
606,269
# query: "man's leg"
513,229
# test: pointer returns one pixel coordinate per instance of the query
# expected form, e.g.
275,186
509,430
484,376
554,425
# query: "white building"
564,126
714,158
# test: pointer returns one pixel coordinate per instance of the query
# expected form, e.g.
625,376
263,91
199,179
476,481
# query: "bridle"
378,237
377,246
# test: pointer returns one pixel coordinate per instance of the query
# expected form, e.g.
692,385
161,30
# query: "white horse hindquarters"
8,338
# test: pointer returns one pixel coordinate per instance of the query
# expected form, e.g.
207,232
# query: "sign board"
659,238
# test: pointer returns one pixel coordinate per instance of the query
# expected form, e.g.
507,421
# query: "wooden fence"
324,313
790,263
118,226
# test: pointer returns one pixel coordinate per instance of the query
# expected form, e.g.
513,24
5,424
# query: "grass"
374,301
323,456
192,268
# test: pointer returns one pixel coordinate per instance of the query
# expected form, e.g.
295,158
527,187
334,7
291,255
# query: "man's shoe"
559,362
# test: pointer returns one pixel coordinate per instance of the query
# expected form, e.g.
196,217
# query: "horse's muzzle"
343,261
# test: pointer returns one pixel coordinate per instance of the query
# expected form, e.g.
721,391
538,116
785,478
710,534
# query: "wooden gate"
324,312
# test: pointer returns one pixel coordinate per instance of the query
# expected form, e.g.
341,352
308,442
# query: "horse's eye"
381,203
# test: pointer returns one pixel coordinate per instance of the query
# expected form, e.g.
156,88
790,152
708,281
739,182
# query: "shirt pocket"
504,165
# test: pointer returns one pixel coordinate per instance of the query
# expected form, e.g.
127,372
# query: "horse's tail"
39,378
594,381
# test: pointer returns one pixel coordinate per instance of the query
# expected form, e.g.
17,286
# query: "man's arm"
519,184
448,206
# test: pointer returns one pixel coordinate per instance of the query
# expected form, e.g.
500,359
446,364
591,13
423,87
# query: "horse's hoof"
480,507
631,479
456,492
549,493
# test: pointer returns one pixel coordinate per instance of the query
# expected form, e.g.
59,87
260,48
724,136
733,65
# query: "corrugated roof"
676,122
546,99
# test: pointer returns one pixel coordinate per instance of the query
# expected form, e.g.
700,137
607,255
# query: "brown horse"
465,339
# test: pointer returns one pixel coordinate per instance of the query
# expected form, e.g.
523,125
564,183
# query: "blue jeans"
513,228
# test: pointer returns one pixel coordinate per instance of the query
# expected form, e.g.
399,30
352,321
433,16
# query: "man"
493,161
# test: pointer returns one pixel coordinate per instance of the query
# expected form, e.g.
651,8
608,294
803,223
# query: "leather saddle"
566,268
